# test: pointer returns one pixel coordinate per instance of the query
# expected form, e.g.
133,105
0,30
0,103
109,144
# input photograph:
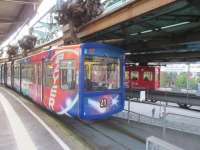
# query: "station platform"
183,140
24,125
22,128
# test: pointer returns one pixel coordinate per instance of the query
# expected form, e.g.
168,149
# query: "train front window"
134,75
148,76
101,73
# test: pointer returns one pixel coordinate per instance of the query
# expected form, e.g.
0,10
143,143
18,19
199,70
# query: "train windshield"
101,73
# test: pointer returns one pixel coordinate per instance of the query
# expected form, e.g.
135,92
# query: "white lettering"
53,92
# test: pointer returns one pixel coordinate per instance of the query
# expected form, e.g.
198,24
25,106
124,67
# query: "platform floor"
22,129
7,140
26,126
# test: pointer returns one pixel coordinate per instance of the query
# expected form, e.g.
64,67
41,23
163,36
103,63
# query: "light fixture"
147,31
175,25
128,53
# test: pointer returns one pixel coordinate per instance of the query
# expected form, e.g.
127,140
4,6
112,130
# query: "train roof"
103,48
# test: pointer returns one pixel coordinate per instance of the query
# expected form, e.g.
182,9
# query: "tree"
78,12
167,79
164,79
28,42
12,51
193,84
181,80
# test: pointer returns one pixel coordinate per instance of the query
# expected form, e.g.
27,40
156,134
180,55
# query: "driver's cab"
101,80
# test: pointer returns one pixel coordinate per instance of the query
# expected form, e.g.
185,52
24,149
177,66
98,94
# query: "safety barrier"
163,122
154,143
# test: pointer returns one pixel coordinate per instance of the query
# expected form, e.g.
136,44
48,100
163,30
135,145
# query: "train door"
68,87
1,74
12,74
20,77
8,82
39,82
5,74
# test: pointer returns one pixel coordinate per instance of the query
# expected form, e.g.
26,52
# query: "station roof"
15,13
170,32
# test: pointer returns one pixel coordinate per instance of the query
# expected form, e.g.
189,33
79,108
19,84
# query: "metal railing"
160,122
154,143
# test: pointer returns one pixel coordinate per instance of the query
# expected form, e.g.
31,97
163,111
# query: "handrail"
154,143
160,122
174,114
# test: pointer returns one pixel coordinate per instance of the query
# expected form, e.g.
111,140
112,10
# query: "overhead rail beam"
130,11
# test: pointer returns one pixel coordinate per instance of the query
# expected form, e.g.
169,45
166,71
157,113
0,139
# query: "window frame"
118,62
74,76
151,75
136,73
45,79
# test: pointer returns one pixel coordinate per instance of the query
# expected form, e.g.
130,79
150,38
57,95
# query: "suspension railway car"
142,77
83,81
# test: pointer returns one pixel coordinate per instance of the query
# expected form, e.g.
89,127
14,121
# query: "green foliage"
181,80
192,82
167,79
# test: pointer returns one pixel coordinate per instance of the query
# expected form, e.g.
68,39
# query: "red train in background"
142,77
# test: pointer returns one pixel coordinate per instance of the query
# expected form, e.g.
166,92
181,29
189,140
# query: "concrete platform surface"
22,129
45,130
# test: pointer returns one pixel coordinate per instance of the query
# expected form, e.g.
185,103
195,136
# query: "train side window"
148,76
16,72
134,75
32,75
67,75
8,71
48,72
30,72
1,73
23,72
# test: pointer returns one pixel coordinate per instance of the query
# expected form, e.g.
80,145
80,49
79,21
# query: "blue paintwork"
86,111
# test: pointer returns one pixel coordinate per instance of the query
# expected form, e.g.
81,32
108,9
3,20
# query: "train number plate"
103,102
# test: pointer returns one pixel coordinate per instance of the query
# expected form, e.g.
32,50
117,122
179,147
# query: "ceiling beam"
2,34
30,2
8,21
165,57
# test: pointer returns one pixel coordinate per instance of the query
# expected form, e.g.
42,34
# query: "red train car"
60,81
143,77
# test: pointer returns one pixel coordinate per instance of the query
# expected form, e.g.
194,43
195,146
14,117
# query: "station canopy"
169,33
15,13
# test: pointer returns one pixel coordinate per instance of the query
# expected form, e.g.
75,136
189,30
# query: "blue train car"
101,81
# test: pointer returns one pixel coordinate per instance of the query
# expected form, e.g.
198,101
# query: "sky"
181,67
